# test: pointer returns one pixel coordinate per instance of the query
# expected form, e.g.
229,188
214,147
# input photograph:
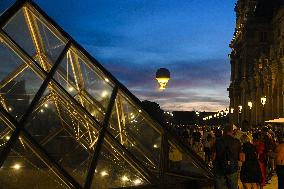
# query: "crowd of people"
249,157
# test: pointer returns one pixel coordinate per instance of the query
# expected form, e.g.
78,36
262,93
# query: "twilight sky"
133,38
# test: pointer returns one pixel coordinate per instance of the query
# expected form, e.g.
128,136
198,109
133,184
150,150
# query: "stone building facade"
257,62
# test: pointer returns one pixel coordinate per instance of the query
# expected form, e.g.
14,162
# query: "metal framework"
66,122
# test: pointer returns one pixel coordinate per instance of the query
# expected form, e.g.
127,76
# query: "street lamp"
231,116
263,101
250,106
240,111
222,113
226,111
197,114
240,108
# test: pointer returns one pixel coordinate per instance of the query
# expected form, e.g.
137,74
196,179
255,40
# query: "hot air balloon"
163,76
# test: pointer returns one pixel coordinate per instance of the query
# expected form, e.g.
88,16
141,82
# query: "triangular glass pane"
83,81
18,83
24,169
18,30
52,41
114,171
182,163
130,127
5,133
66,134
40,42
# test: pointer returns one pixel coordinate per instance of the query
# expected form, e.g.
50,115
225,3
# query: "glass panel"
5,133
64,132
18,83
182,163
84,82
23,169
18,30
114,171
40,42
137,134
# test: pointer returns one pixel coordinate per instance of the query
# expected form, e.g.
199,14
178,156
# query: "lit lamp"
227,111
232,110
240,111
197,114
250,105
263,101
240,108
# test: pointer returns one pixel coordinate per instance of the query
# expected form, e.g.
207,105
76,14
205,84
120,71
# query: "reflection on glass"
5,134
18,83
113,171
82,80
181,163
64,133
23,169
40,42
62,128
129,126
18,30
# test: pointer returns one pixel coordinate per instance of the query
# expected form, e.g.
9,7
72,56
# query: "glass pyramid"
66,122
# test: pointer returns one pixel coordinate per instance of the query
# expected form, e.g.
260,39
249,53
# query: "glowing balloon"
163,76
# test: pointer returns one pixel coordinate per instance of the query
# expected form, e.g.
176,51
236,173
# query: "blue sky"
133,38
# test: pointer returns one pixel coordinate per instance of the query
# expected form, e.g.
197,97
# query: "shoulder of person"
279,147
237,140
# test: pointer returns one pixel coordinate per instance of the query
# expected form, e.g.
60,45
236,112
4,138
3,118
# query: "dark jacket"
227,149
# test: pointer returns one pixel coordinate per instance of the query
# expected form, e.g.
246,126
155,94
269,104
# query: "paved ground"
273,183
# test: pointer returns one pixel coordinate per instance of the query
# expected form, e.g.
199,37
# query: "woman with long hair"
250,171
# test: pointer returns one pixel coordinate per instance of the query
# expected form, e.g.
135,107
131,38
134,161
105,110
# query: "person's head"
245,138
265,129
228,129
269,126
218,133
256,136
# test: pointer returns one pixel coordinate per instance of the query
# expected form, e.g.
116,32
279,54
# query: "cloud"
188,106
133,38
194,85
